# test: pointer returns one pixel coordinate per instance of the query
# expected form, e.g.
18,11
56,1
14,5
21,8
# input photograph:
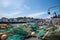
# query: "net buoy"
4,36
33,34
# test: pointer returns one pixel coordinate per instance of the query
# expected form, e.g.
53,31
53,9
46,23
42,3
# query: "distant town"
39,21
25,19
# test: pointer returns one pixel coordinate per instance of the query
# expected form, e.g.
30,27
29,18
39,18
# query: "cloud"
36,14
12,14
11,3
6,3
10,8
26,7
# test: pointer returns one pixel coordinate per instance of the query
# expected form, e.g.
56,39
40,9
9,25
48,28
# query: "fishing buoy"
3,26
4,36
33,34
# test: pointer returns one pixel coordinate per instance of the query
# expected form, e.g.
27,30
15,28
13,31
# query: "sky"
27,8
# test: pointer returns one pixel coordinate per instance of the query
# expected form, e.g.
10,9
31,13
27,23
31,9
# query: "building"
13,20
40,21
47,21
56,20
3,19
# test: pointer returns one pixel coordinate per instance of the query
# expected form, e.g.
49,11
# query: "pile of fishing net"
15,37
20,31
53,35
44,31
41,33
34,27
5,28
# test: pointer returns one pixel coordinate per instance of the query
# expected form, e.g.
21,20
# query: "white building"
3,19
13,20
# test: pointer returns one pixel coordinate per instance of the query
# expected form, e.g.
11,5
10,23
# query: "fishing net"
15,37
41,33
53,35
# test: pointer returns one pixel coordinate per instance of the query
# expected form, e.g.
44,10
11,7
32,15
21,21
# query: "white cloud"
12,14
12,3
10,8
26,7
36,14
5,3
